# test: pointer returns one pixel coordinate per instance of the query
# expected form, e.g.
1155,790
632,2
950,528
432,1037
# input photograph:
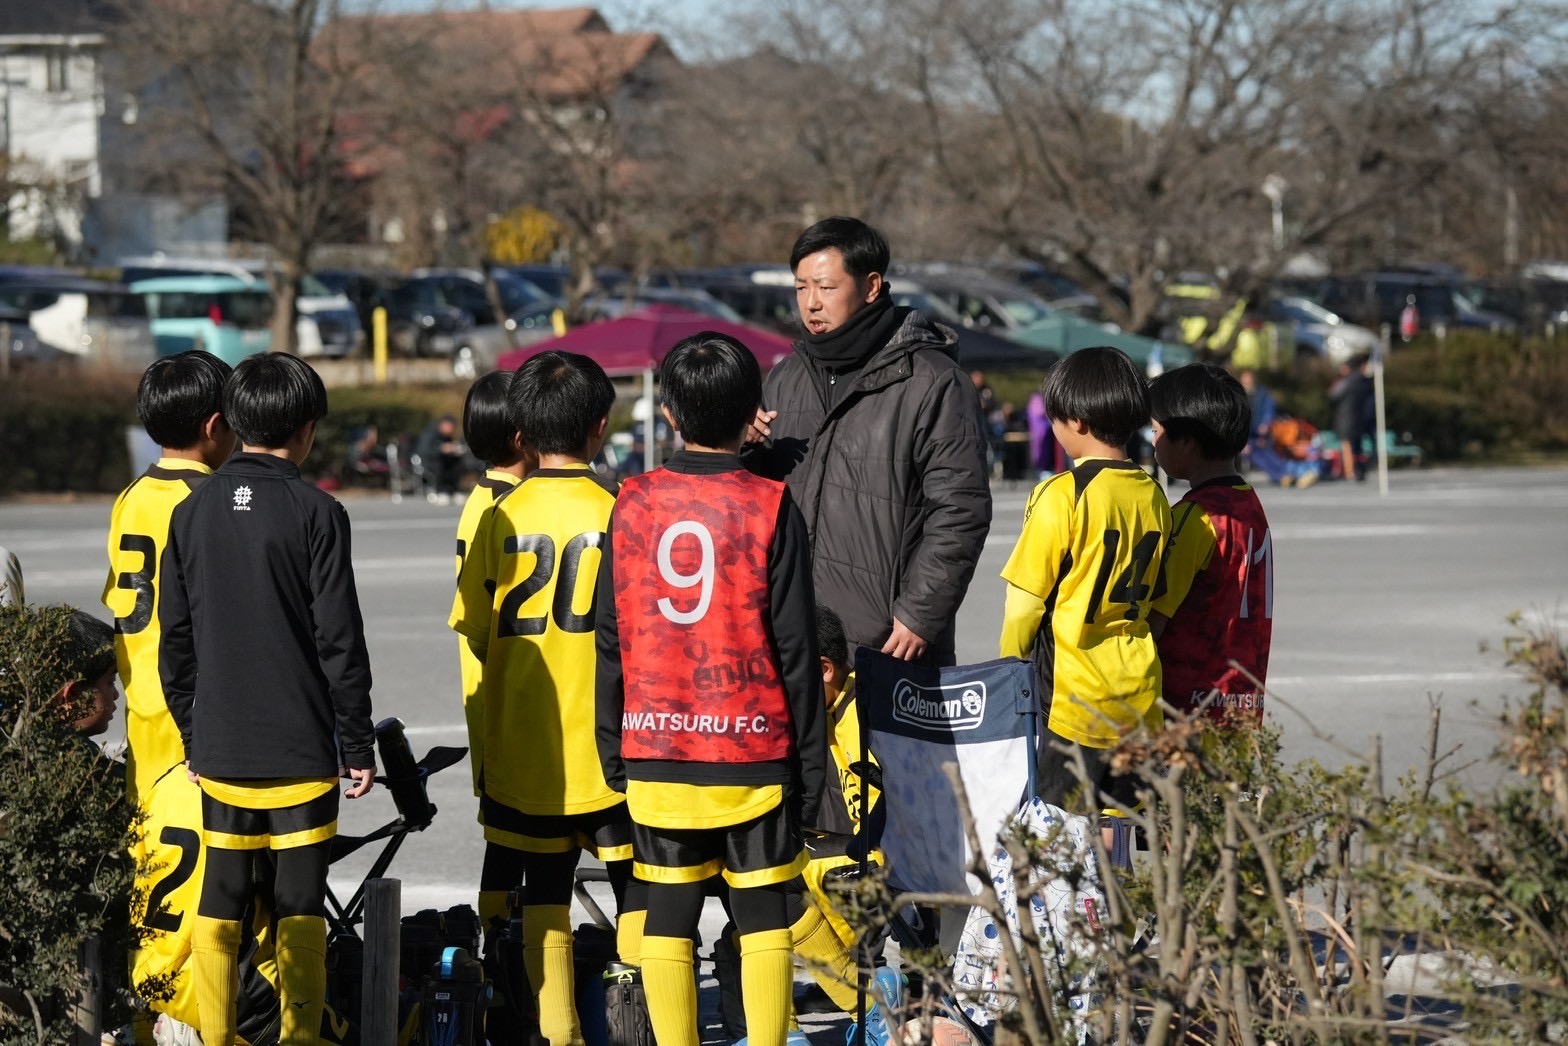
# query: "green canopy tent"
1064,332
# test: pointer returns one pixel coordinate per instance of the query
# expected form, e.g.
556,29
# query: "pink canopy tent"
637,342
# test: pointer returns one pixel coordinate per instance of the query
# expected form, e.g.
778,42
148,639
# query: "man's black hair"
863,248
487,422
557,399
1204,403
177,394
89,649
831,641
1101,387
271,396
712,385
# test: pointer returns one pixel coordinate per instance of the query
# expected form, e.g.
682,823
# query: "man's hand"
759,429
903,643
364,780
191,775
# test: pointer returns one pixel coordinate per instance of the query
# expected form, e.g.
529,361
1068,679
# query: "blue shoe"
795,1038
886,993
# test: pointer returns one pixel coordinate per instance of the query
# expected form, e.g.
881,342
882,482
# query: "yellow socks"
492,906
547,953
215,958
672,990
828,959
628,936
767,978
302,978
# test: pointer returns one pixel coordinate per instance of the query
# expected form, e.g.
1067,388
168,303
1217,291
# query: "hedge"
1476,395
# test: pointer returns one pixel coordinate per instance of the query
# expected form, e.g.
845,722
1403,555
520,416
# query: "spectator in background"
1263,449
1351,397
441,450
1045,454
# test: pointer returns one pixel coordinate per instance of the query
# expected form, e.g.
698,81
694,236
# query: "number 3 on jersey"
511,619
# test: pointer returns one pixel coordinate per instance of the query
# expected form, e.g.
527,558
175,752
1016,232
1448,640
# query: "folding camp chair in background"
984,719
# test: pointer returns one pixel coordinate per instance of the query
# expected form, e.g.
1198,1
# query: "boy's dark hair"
1101,387
177,394
1204,403
89,650
271,396
863,248
712,385
556,400
487,422
831,641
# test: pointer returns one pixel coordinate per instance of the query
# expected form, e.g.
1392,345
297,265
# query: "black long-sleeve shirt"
263,656
793,629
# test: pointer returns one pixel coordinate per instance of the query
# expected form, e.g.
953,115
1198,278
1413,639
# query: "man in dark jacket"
877,431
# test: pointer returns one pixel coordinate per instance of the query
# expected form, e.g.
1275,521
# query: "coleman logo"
958,706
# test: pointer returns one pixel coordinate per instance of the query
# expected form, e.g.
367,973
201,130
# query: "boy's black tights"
674,908
547,879
300,886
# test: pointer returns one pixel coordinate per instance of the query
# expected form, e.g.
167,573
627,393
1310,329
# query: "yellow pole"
378,342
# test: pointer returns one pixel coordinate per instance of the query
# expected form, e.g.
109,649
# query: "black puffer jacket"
892,483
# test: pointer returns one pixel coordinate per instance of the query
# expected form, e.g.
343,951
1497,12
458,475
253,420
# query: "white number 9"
703,576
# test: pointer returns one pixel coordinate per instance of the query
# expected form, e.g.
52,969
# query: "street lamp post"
1274,188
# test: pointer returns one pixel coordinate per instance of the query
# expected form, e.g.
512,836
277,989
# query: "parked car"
428,311
478,347
96,321
20,347
981,300
228,316
1376,298
1318,331
328,323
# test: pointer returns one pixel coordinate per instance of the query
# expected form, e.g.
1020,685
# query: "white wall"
50,105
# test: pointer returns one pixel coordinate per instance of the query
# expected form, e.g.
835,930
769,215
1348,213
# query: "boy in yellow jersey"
264,668
1080,580
180,403
494,440
525,605
710,708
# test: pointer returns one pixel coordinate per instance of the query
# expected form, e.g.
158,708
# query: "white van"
328,323
102,323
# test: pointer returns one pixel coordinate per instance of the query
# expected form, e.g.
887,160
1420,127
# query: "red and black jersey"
1217,588
691,595
708,669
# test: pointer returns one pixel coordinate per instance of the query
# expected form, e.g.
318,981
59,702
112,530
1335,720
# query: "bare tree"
241,99
1127,143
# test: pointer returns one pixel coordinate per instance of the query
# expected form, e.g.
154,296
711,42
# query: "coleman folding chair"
985,719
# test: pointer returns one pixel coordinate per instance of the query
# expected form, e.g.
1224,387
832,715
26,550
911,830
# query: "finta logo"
957,706
241,499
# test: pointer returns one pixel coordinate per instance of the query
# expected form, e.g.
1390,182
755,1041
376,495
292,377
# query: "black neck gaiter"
849,346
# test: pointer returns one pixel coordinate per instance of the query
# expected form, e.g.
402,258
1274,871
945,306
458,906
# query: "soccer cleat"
170,1032
795,1038
886,993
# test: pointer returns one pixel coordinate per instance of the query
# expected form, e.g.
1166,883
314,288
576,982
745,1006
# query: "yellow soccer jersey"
138,532
1081,578
494,484
526,595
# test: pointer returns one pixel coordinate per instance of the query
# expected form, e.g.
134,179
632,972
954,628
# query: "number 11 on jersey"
1260,556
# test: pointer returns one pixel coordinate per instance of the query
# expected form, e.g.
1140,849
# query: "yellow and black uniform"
526,597
1080,581
710,716
525,607
490,487
170,862
138,533
264,668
